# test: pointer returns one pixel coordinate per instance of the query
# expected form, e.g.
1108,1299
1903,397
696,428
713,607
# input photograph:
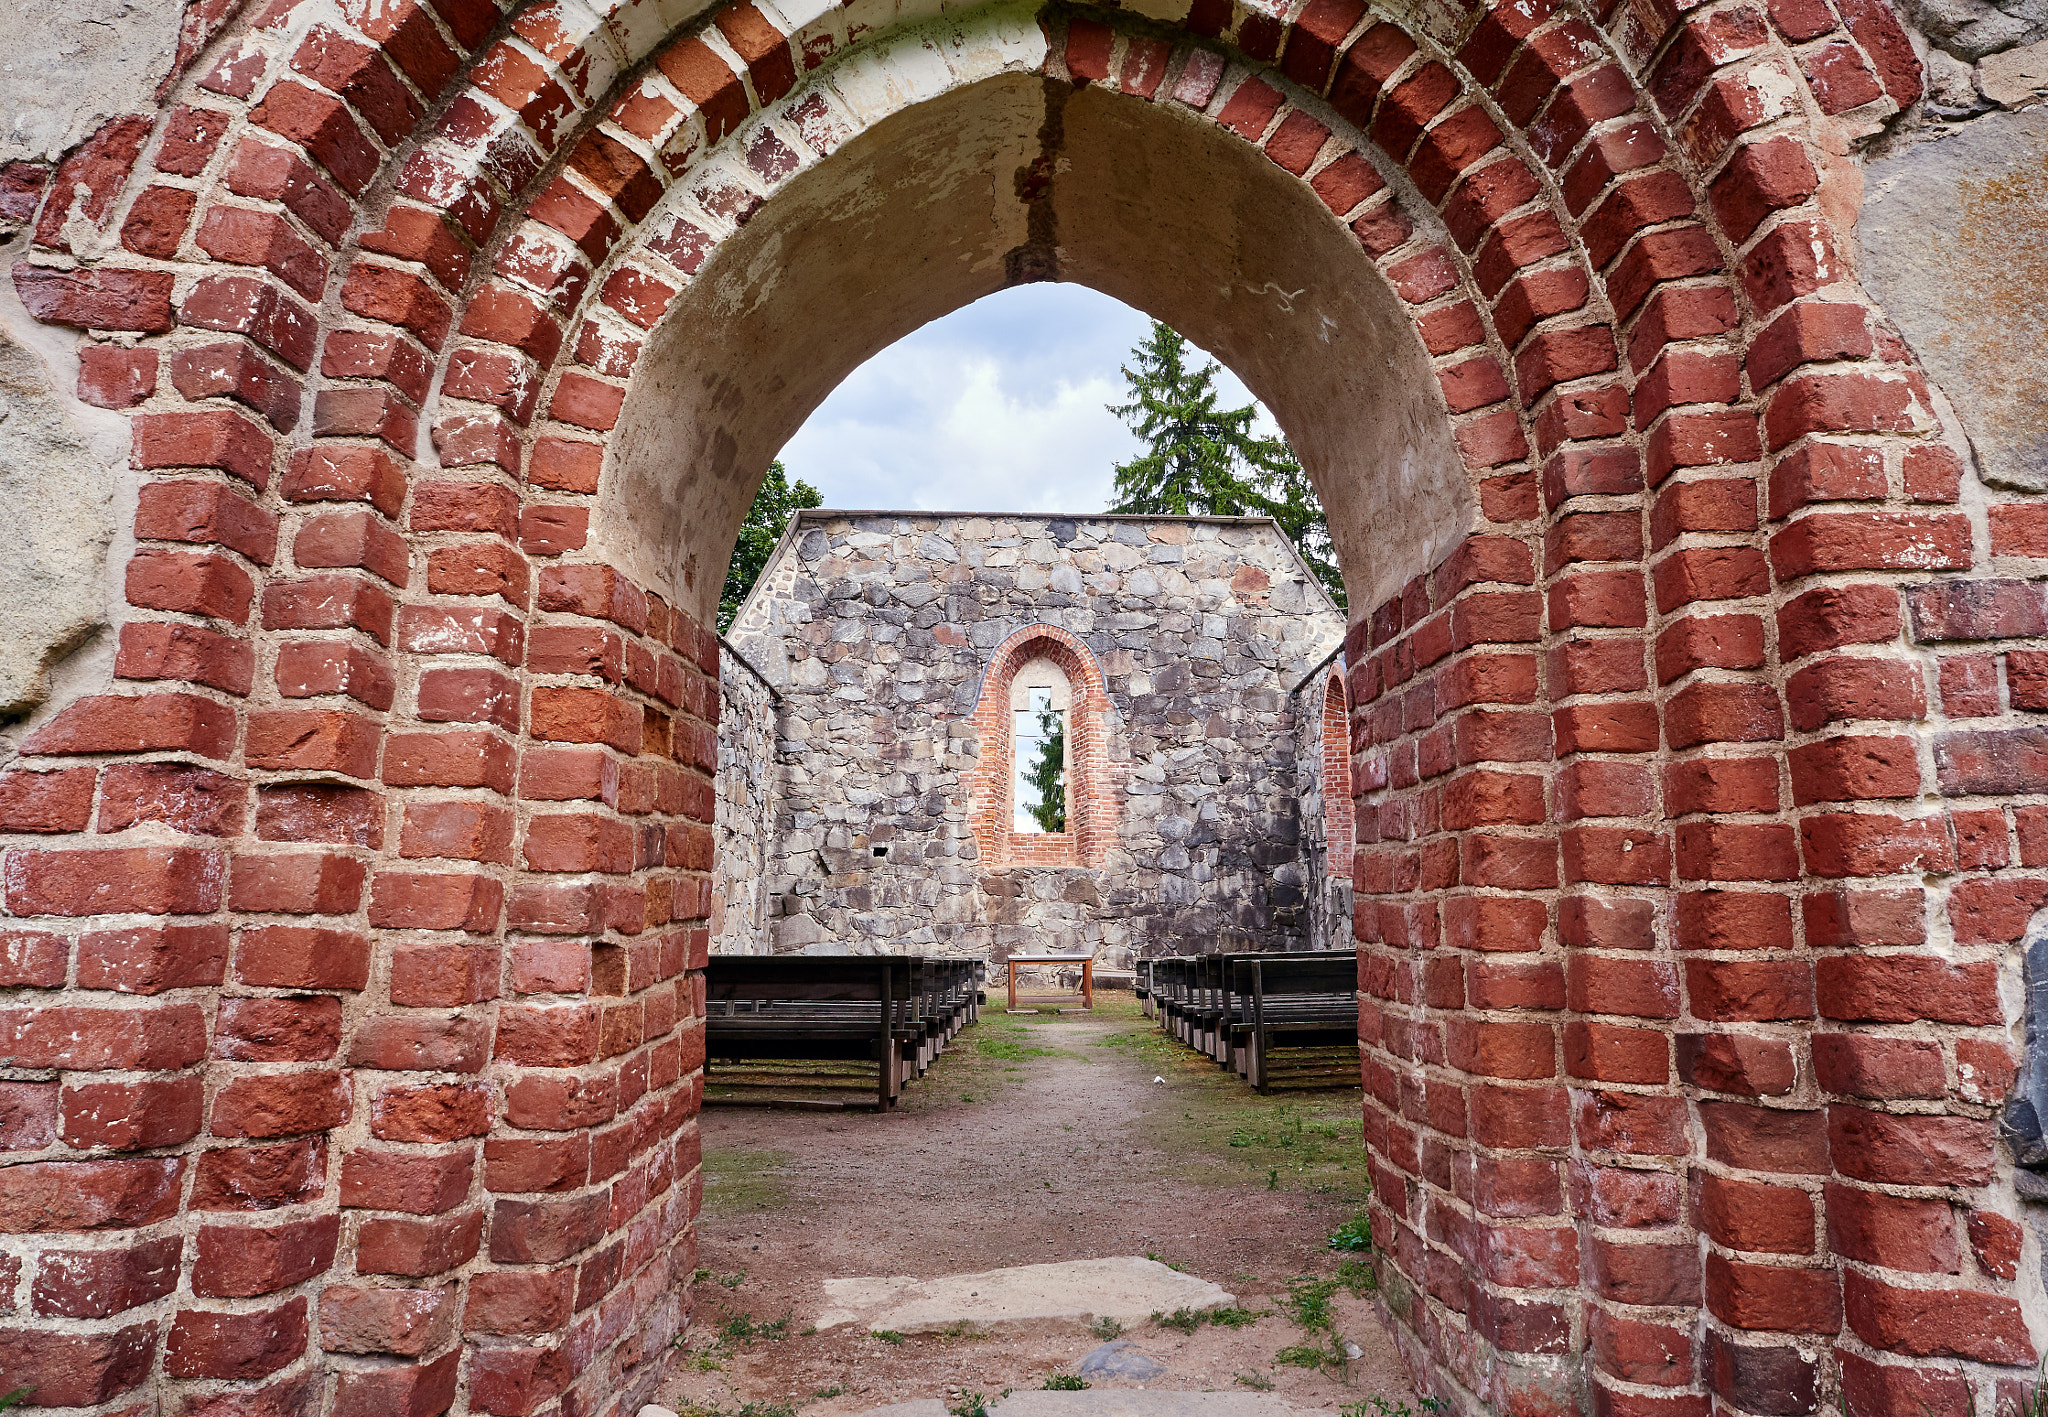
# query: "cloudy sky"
998,407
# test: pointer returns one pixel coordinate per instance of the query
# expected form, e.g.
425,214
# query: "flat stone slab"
1149,1403
1124,1288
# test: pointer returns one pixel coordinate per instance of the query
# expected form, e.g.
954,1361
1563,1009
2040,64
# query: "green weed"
767,1409
1360,1278
836,1390
1301,1355
1157,1258
1377,1406
1353,1234
745,1328
1308,1301
888,1335
1009,1050
1236,1317
972,1404
1257,1382
1064,1382
1317,1355
2033,1401
1106,1328
1181,1320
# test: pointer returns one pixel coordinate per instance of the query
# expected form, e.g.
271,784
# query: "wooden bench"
1242,1009
1292,1001
897,1012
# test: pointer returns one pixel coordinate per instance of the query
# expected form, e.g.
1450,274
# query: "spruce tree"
1203,460
1047,774
759,532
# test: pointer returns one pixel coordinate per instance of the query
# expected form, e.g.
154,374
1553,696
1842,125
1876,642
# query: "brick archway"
374,878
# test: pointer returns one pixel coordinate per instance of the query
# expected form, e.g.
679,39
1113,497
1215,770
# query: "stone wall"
1326,837
879,630
749,788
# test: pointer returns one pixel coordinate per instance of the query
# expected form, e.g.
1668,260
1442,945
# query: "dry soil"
1035,1138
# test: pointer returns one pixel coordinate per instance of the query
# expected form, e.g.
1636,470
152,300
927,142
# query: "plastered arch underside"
928,211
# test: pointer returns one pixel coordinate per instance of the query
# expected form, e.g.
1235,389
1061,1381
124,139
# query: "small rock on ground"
1120,1360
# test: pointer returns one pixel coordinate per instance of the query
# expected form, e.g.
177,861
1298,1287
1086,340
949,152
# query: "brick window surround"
1090,803
1339,827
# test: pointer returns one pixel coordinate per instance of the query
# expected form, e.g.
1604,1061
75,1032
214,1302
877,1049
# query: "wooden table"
1087,963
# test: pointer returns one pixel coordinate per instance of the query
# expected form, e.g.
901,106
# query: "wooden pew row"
895,1012
1249,1012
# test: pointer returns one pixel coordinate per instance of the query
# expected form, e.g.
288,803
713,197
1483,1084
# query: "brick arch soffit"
1093,784
532,298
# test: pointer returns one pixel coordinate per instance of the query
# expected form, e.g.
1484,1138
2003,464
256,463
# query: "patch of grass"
1256,1381
1064,1382
1377,1406
972,1404
737,1180
836,1390
767,1409
1010,1051
1311,1141
1302,1355
1361,1278
1237,1317
1181,1320
1157,1258
1353,1234
1329,1355
723,1281
1106,1328
2032,1401
1308,1302
888,1336
745,1328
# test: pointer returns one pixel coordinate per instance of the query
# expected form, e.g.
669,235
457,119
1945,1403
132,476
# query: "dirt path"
1034,1139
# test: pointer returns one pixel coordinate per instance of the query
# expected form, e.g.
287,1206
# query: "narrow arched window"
1040,794
1040,701
1339,823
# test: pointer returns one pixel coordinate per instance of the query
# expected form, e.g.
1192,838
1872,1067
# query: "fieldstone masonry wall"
1325,808
886,633
357,879
749,807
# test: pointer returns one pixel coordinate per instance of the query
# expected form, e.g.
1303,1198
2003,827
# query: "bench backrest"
1320,972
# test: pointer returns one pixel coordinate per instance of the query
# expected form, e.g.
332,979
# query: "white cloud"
1000,406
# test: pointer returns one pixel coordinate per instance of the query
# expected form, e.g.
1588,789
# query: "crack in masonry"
1038,258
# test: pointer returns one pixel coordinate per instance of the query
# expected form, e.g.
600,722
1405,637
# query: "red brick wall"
352,927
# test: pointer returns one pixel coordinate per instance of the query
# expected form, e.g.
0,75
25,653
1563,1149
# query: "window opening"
1039,757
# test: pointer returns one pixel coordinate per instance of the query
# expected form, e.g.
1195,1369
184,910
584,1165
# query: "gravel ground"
1034,1138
